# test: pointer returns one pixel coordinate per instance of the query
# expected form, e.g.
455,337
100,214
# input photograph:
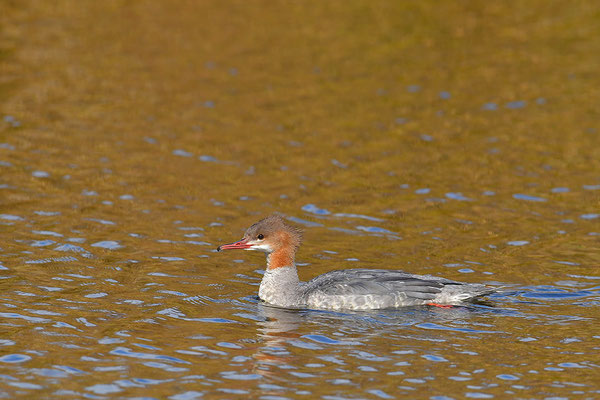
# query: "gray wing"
378,282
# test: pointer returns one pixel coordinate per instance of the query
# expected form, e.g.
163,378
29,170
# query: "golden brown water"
453,138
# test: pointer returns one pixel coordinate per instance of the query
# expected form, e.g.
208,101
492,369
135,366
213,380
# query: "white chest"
280,287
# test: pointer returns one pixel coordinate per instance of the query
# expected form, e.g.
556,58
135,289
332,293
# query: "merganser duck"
349,289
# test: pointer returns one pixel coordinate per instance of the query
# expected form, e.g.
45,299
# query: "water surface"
455,139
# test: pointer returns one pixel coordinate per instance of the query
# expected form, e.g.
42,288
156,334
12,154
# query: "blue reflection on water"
24,317
431,325
304,222
516,104
338,164
589,216
14,358
126,352
182,153
555,294
326,340
344,215
517,243
10,217
42,243
103,388
47,233
101,221
40,174
47,213
73,248
520,196
311,208
107,244
457,196
374,229
431,357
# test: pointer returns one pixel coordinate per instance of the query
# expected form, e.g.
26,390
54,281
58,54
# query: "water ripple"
165,367
101,221
374,229
304,222
108,244
126,352
326,340
75,249
520,196
457,196
14,358
47,233
431,325
237,376
344,215
103,388
311,208
10,217
24,317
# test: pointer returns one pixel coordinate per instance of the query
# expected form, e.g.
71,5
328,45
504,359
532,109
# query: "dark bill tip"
241,244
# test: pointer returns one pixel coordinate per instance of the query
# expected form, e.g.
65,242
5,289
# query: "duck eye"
261,236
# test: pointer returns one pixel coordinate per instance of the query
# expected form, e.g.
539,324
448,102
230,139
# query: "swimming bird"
347,289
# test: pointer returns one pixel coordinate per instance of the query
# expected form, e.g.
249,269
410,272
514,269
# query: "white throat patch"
261,246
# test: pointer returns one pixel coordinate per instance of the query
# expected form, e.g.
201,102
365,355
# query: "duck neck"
280,285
